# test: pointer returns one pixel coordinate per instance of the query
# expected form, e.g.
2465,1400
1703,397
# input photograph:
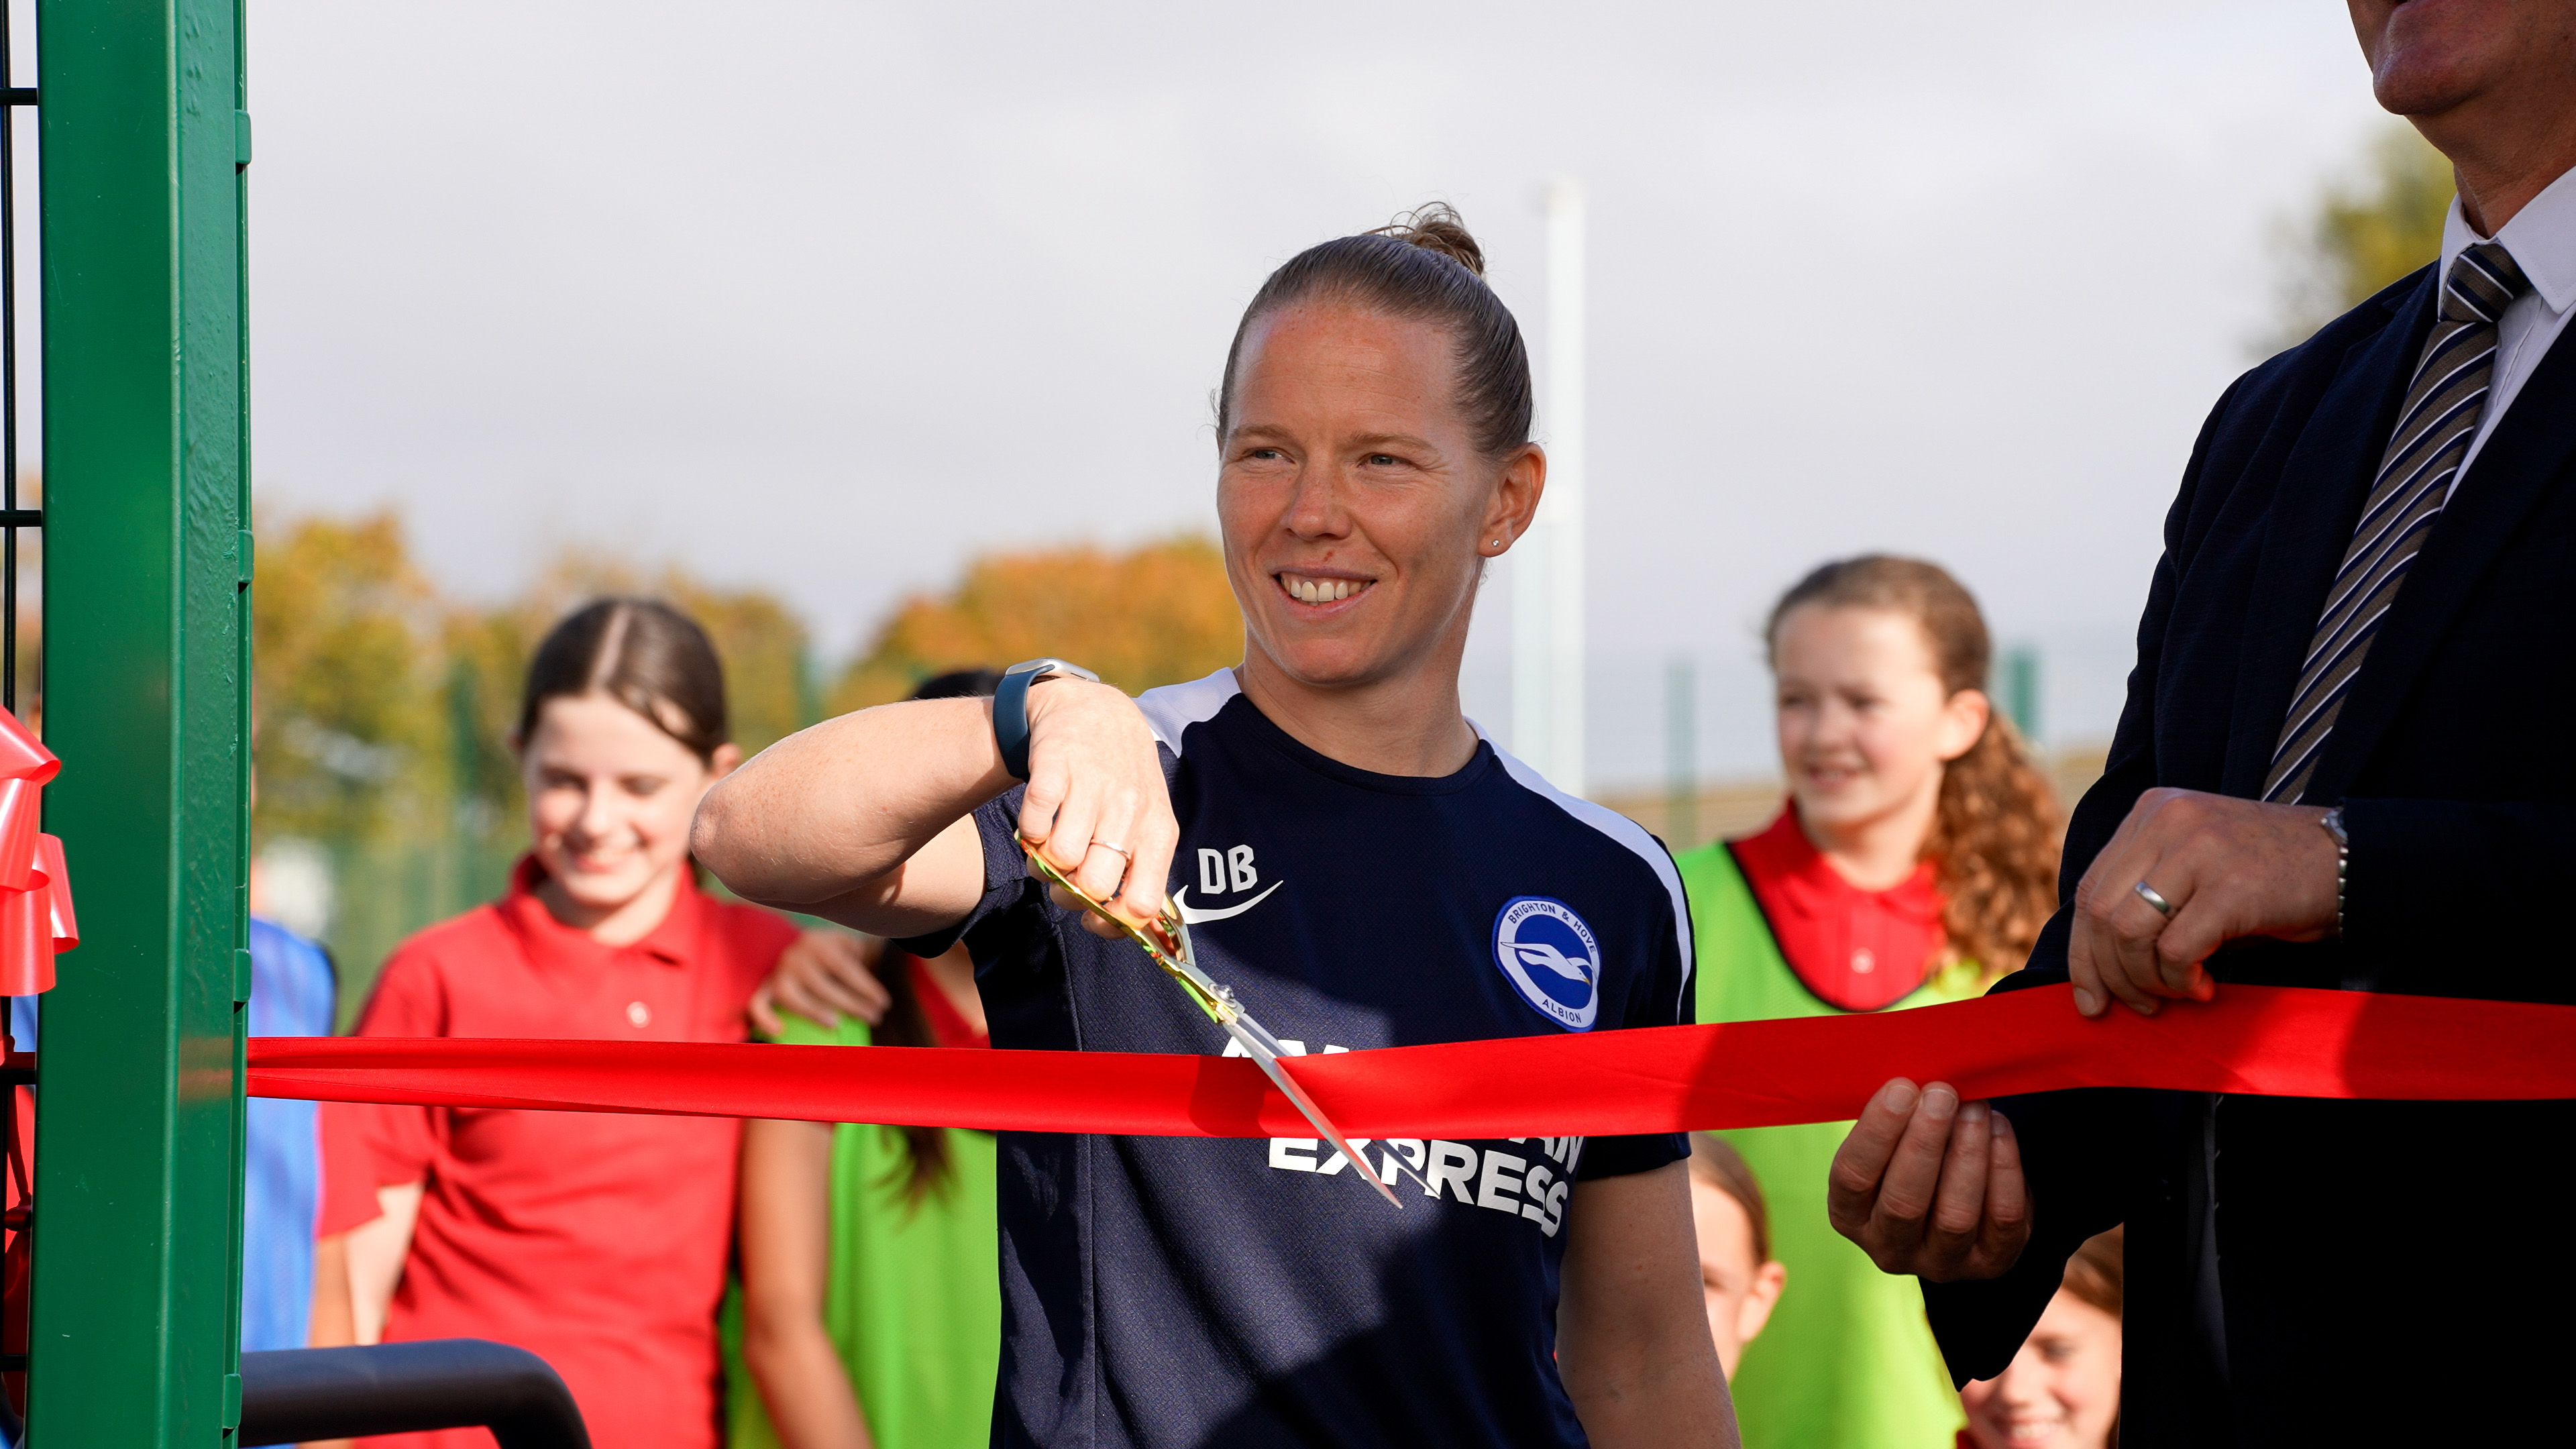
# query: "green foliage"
345,680
769,677
1159,614
2365,234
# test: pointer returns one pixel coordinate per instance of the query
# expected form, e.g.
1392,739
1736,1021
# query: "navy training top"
1180,1291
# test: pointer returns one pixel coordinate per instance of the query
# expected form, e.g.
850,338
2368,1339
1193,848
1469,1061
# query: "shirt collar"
2541,236
673,943
1783,856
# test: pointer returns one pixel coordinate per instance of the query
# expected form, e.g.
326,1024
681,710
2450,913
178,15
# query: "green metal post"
136,1334
2021,689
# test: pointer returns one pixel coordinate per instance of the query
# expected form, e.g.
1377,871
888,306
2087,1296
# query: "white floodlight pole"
1565,486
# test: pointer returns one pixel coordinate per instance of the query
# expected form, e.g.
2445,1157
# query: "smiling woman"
1363,868
1373,430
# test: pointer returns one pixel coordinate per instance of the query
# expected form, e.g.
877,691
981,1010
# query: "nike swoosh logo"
1199,915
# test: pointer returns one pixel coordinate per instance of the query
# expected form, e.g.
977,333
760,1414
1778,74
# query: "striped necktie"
2433,430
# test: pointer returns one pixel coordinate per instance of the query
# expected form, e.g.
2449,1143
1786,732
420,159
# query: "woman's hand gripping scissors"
1167,941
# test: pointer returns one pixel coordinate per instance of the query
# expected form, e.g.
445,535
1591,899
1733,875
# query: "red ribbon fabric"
2267,1041
36,920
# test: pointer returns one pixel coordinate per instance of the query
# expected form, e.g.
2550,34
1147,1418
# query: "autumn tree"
383,705
2364,233
771,689
1154,615
343,636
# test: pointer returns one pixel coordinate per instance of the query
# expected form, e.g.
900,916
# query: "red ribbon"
35,923
2258,1040
36,920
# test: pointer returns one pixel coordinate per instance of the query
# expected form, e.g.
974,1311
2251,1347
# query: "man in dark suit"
2348,760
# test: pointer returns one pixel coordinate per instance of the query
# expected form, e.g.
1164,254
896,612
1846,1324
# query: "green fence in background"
382,891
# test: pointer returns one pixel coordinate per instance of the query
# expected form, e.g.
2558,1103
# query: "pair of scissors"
1167,944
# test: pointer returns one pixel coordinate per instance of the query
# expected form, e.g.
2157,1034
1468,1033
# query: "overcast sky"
829,296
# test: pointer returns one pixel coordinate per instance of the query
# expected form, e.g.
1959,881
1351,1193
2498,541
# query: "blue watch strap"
1011,708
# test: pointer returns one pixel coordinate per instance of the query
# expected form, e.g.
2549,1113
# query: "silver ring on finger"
2155,898
1123,853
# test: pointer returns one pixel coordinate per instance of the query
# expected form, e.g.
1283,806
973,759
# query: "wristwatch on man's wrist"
1011,707
2332,820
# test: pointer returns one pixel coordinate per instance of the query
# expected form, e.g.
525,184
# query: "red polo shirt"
595,1240
1857,950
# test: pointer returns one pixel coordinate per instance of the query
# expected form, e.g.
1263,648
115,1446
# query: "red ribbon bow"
36,920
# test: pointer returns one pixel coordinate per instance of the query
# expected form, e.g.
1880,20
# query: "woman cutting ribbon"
1361,866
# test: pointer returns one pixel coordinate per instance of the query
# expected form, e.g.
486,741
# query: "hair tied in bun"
1424,266
1437,227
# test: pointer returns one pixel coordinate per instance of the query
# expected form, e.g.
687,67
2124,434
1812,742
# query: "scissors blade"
1263,1048
1177,956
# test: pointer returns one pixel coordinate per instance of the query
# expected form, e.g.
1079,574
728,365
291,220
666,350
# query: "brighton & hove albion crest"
1548,954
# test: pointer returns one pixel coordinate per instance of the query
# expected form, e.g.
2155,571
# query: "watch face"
1050,667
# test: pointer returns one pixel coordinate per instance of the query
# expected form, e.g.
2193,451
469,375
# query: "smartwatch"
1011,707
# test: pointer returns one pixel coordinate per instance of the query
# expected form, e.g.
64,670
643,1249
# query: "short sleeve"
369,1145
1006,874
754,939
1663,999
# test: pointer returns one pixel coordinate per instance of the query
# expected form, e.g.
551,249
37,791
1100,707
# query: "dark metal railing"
12,517
297,1394
19,1221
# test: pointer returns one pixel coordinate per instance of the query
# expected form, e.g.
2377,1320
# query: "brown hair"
1994,842
647,656
925,1168
1715,1161
2098,1272
1423,267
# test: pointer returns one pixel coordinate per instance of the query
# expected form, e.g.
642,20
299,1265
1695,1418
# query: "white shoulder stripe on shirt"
1173,708
1626,832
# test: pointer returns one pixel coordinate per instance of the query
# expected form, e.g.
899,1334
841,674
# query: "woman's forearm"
1633,1346
841,818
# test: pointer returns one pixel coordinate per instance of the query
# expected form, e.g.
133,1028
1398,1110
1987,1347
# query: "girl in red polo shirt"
596,1241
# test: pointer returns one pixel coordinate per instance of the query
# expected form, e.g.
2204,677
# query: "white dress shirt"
2542,238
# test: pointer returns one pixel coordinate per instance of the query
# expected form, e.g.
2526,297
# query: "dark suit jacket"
2390,1272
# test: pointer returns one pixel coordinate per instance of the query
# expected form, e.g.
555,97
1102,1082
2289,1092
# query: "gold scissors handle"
1167,944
